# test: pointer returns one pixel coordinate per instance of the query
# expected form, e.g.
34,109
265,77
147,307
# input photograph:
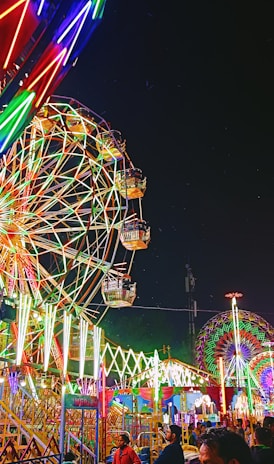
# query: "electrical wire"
160,308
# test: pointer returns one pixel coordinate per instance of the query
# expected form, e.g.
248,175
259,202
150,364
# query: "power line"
160,308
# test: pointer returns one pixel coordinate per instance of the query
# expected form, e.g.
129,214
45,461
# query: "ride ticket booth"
78,422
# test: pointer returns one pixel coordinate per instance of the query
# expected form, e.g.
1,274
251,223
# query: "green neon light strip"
98,9
13,115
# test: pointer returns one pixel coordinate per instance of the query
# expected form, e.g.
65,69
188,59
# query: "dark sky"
190,86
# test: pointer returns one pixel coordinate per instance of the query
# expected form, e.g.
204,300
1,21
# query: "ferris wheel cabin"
135,234
131,183
118,291
110,145
43,118
80,123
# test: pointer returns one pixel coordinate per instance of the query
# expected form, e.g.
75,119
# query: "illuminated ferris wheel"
66,188
237,337
60,209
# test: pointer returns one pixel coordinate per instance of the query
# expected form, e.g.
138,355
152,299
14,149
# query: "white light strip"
156,377
49,322
23,318
66,337
83,346
87,6
40,7
96,351
32,387
75,37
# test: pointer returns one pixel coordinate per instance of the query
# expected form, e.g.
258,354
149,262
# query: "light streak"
75,38
96,350
156,378
249,392
22,110
103,374
23,318
236,332
11,8
221,366
16,34
59,40
49,323
83,346
66,337
40,7
97,6
57,59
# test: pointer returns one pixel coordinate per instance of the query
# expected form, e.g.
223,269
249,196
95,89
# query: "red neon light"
16,34
233,294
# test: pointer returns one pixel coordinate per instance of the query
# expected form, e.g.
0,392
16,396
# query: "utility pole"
167,350
192,307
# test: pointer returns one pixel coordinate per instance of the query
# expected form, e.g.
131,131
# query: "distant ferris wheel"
217,339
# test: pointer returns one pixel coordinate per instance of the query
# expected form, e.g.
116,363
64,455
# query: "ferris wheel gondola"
131,183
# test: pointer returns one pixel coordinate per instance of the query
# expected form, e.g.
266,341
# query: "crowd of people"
236,444
215,445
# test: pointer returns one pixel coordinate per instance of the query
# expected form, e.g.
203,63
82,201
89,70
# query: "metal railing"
52,459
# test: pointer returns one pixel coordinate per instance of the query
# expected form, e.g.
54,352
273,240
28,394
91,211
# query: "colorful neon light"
12,8
74,21
98,9
57,62
23,319
66,338
49,324
14,117
34,32
83,346
222,377
40,8
16,34
97,332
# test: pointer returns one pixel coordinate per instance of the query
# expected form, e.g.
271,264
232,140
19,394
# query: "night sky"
190,86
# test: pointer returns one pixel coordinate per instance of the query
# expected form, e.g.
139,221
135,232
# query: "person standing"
221,446
125,454
172,453
248,432
197,429
192,437
262,453
239,428
268,422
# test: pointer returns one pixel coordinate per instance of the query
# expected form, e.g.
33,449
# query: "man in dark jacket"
262,453
269,423
172,453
